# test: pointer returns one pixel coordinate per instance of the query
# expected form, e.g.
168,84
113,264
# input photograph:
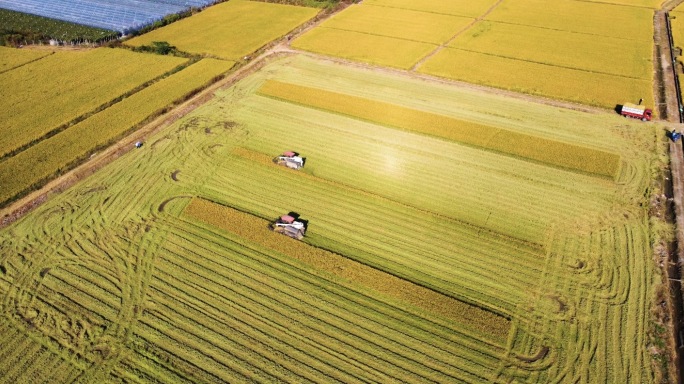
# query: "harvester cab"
291,225
291,160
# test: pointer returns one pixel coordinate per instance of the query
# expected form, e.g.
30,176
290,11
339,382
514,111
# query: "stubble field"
161,266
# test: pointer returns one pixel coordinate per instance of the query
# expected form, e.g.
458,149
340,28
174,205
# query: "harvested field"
127,277
465,132
257,230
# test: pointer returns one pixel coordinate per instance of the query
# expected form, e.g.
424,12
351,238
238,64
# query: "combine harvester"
291,225
291,160
636,111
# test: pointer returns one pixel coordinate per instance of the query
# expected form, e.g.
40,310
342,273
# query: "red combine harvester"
636,111
290,159
291,225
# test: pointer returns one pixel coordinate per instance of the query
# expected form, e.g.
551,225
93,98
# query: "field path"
467,27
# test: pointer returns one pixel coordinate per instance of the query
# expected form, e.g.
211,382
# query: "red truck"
636,111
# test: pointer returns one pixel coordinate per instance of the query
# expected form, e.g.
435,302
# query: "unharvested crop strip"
224,217
533,148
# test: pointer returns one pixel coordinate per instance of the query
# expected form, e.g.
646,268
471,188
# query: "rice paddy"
596,53
230,30
160,267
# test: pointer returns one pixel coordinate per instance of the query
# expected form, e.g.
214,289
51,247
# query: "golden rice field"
537,79
655,4
374,49
425,260
601,51
20,173
50,93
455,7
578,16
230,30
11,57
609,55
677,24
399,23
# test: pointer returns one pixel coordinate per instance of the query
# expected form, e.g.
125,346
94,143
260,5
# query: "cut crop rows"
487,137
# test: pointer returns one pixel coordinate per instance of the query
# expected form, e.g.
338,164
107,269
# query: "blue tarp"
116,15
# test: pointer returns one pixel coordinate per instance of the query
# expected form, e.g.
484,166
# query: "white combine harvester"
291,160
291,225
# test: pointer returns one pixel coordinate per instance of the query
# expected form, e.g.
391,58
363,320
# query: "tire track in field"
220,255
459,33
254,229
606,310
256,292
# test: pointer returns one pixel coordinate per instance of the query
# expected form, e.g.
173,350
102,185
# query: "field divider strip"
531,148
